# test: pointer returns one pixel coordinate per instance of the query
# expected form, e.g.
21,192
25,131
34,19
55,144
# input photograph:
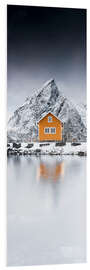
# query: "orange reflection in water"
50,172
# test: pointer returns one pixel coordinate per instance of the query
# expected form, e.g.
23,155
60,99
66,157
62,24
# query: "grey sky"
45,43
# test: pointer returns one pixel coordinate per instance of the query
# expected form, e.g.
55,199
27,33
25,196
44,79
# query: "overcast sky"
44,43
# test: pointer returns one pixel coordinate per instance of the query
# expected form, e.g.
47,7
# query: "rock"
16,145
44,144
20,153
9,151
37,151
82,153
53,153
60,143
8,144
75,143
29,145
25,153
15,153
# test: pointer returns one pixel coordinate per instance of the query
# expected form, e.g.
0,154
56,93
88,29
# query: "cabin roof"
47,114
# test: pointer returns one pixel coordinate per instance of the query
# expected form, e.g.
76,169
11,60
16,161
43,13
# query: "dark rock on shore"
60,143
8,144
81,153
30,145
16,145
75,143
44,144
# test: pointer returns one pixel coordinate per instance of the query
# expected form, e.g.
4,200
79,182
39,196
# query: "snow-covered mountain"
23,123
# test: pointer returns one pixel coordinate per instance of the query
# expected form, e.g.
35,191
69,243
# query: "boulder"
60,143
75,143
29,145
8,144
16,145
82,153
44,144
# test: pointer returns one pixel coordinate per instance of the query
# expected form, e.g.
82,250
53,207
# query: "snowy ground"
50,148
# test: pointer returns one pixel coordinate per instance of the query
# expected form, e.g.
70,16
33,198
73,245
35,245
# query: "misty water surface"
46,210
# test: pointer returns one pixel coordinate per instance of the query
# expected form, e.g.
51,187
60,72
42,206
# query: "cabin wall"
55,123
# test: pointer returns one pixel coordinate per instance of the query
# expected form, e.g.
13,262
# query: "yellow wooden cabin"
50,128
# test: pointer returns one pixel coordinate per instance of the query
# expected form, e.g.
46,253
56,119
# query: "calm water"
46,210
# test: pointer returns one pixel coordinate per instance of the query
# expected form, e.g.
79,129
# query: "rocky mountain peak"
23,124
49,82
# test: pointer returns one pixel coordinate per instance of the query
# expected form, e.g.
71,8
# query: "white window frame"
47,132
52,132
49,121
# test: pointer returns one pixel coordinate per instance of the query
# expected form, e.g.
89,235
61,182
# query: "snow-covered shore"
37,148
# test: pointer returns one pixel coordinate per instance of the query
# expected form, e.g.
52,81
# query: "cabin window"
49,119
46,130
53,130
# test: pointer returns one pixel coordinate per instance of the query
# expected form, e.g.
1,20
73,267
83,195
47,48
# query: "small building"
50,128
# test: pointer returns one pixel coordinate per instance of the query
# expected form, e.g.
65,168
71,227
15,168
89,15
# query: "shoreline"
39,149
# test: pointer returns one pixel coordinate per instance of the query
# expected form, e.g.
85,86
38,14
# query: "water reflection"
50,171
46,196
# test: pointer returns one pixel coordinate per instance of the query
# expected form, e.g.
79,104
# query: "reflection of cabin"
52,172
50,128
